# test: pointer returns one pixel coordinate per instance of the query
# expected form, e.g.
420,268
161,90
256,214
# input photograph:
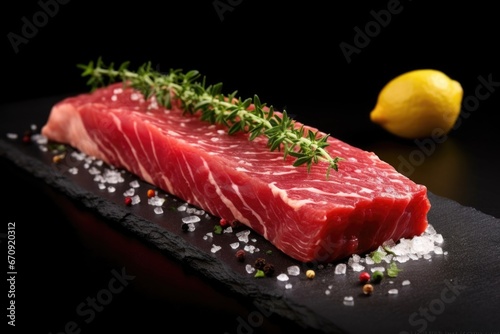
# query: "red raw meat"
305,215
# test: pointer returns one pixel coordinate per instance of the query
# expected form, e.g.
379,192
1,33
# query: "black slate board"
452,292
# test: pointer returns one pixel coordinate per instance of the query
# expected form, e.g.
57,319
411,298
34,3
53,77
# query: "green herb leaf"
393,270
234,113
378,255
259,273
218,229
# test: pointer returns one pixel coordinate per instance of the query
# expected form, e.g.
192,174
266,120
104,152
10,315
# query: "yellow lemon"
418,103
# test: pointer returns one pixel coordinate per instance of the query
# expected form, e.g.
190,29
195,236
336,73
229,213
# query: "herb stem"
250,115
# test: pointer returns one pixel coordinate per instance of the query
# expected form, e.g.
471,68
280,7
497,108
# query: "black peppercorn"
268,269
259,263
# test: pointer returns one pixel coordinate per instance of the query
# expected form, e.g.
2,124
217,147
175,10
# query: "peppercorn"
377,276
268,269
57,158
364,277
128,201
240,255
367,289
223,222
151,193
310,274
27,137
185,227
259,263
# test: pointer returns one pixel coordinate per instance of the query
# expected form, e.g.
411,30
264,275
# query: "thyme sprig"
249,115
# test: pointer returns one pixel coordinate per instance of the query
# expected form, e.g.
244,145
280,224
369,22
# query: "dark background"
287,53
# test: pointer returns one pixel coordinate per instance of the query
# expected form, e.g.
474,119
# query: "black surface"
180,278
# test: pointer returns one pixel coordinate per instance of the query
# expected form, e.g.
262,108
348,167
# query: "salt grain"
243,236
111,189
374,269
293,270
158,210
190,219
156,201
249,268
405,282
94,171
348,301
215,248
340,269
282,277
250,248
393,291
130,192
288,286
357,267
136,199
438,250
228,230
134,184
101,186
234,245
12,136
73,170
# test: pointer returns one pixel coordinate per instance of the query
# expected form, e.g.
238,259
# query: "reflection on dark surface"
442,167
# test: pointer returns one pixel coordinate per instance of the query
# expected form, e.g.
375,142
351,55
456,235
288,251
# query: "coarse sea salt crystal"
438,250
111,189
250,248
405,282
243,236
191,227
215,248
156,201
190,219
101,186
158,210
393,291
12,136
288,286
136,199
129,192
73,170
234,245
357,267
249,268
293,270
374,269
94,171
182,208
134,184
282,277
348,301
340,269
228,230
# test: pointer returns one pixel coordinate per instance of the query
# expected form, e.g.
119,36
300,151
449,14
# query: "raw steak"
305,215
